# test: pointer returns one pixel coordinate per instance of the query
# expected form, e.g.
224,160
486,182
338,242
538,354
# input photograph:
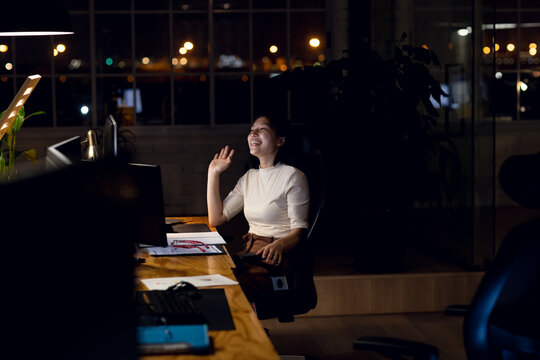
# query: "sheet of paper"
207,238
185,248
198,281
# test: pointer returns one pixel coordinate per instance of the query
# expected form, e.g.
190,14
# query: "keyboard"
157,307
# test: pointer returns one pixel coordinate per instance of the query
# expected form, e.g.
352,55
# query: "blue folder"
160,339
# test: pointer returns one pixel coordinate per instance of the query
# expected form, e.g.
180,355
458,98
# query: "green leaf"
29,154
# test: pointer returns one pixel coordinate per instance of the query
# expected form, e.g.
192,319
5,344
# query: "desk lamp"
18,101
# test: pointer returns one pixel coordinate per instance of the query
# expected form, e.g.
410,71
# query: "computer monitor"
64,153
150,205
109,145
73,295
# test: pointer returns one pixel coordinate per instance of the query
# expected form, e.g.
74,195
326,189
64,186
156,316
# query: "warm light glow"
145,60
314,42
497,47
425,46
321,58
510,47
486,50
3,48
532,51
55,52
28,91
463,32
273,49
522,86
183,61
20,103
9,66
182,50
188,45
13,113
532,46
61,48
244,78
174,61
283,67
34,33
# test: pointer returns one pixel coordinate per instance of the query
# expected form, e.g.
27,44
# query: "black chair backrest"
512,277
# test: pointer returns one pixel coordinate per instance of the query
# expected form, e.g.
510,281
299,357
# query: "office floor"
331,338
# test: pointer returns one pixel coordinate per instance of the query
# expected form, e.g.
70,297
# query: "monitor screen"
109,145
64,153
74,251
150,205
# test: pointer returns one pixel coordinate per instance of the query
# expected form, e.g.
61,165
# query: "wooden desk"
248,340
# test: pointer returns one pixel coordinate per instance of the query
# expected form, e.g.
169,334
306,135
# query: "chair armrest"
392,347
456,310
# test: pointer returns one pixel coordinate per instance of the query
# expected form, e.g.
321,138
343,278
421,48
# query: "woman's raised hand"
221,161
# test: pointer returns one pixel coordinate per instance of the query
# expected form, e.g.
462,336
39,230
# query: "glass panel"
265,4
74,55
232,99
73,102
33,55
269,42
506,74
231,33
39,100
152,43
155,98
115,96
308,39
113,43
231,5
189,5
77,5
269,97
113,5
6,56
151,5
190,42
191,100
6,92
308,4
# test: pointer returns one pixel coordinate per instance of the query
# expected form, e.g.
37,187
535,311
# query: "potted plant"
374,121
8,152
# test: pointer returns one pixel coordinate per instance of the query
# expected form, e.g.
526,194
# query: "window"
165,62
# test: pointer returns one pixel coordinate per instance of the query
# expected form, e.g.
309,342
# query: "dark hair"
282,128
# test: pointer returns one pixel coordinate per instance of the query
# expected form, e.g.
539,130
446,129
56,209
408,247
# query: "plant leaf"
30,154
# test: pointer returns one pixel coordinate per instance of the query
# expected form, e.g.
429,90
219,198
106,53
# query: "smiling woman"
274,198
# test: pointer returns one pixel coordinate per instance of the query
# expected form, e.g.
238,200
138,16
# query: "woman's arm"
273,253
219,164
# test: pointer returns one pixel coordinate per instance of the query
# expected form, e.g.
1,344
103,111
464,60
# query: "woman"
274,197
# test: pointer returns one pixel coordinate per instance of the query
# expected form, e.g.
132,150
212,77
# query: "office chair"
503,320
301,295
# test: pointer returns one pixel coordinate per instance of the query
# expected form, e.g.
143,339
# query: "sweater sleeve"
234,202
298,201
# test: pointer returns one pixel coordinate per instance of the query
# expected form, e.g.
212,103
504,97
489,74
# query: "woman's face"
263,140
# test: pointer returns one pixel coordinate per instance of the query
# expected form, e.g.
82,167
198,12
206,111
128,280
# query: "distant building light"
314,42
463,32
498,75
273,49
84,109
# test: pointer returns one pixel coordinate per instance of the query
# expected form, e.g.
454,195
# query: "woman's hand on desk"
272,254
